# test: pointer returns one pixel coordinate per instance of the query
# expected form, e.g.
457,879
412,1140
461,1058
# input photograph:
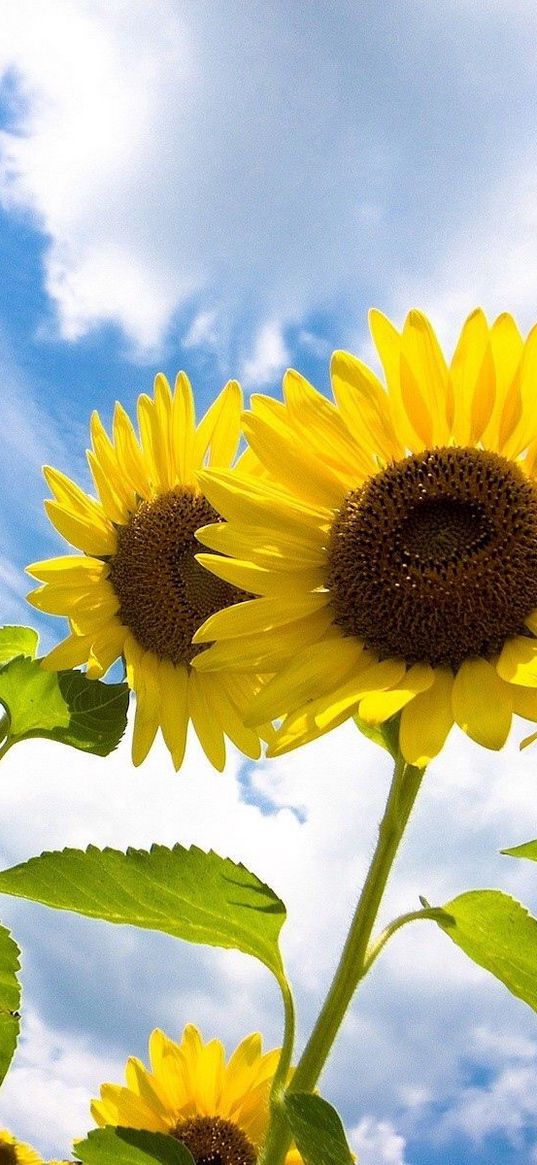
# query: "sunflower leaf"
187,893
10,997
131,1147
317,1130
527,850
63,706
16,641
499,934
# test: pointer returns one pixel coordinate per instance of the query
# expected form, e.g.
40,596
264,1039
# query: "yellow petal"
146,720
174,709
72,652
207,729
482,704
82,532
364,406
114,508
473,378
71,497
106,455
69,570
426,720
129,455
256,615
524,701
183,430
264,653
378,706
242,498
106,646
217,435
230,718
388,343
518,662
345,700
525,430
272,549
55,600
317,669
120,1106
507,347
322,427
425,385
295,465
258,580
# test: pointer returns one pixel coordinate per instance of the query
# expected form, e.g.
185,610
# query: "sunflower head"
14,1152
394,532
137,591
218,1110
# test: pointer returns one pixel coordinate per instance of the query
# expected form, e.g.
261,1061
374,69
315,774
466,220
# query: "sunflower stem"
355,959
5,724
284,1063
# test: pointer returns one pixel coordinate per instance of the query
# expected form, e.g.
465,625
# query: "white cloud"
45,1098
202,331
269,359
377,1143
166,155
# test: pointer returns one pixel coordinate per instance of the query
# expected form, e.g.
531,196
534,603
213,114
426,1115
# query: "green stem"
354,960
432,913
282,1071
5,739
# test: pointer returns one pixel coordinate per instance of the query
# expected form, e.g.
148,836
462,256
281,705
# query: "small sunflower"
137,590
393,540
14,1152
218,1110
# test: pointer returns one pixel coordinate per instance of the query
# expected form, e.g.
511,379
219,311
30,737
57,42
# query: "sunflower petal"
482,704
208,730
426,720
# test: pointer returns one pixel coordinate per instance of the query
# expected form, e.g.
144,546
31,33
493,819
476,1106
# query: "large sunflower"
218,1110
137,590
393,539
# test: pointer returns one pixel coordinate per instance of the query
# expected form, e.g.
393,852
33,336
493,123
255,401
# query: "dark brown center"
435,558
165,595
8,1154
214,1141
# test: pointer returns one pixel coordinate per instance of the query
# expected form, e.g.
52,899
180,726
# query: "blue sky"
227,189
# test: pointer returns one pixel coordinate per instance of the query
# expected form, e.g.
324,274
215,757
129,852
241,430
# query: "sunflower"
14,1152
218,1110
137,590
393,542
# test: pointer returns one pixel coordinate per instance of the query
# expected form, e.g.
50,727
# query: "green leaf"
500,935
17,641
32,697
131,1147
63,706
192,895
527,850
10,997
97,713
317,1130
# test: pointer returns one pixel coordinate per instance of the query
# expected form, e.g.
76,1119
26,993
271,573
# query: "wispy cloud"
192,163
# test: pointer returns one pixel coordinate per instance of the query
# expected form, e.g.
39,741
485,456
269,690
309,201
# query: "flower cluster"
378,557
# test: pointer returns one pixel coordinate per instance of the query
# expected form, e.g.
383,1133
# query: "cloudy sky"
227,188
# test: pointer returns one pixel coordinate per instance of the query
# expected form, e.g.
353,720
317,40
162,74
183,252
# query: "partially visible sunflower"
218,1110
14,1152
137,590
393,540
